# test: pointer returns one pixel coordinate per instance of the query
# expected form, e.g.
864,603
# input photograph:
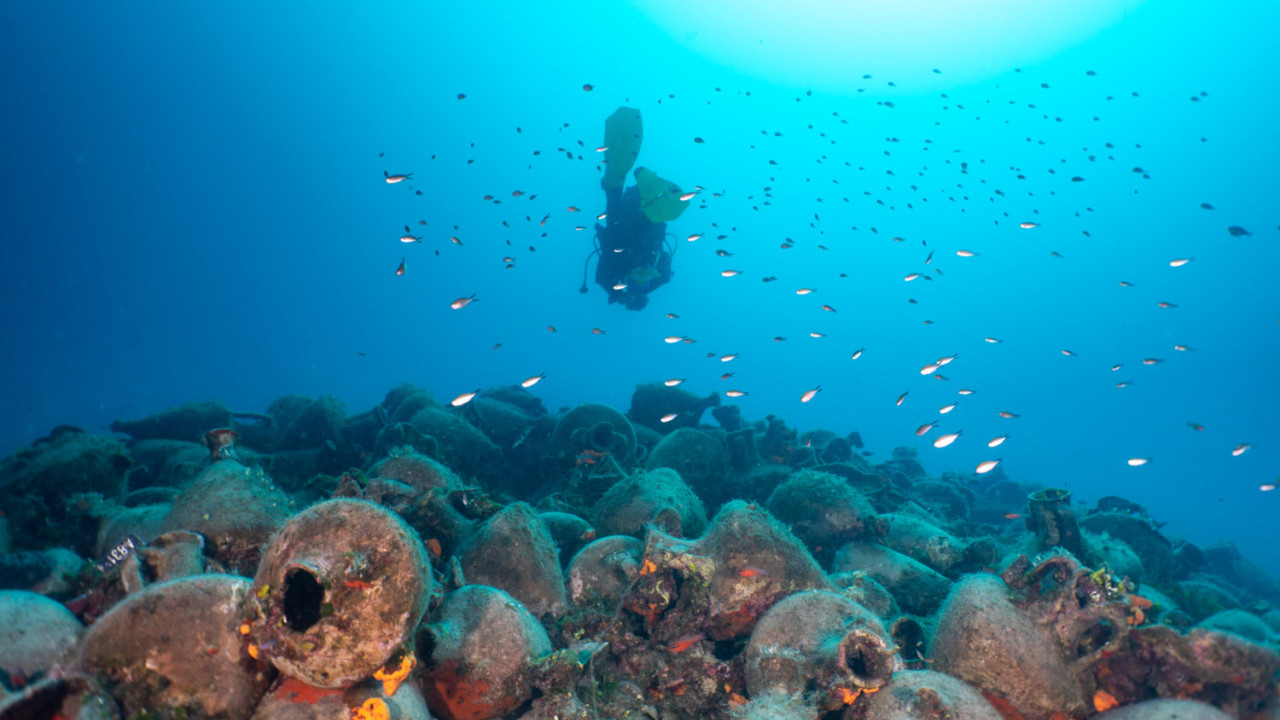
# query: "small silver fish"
523,436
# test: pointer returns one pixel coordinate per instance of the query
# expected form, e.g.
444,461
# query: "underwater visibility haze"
1050,222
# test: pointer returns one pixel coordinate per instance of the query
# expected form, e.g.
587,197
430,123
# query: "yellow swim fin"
623,133
659,199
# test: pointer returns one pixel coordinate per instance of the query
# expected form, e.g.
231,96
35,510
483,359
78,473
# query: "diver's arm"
663,266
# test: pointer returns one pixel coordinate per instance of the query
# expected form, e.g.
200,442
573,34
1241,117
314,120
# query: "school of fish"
995,185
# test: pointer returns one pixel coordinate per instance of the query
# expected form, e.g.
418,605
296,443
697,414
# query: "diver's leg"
612,202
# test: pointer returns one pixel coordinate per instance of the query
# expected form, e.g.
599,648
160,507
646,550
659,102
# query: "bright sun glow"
832,44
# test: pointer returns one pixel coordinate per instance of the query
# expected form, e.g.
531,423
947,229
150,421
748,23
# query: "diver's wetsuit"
632,252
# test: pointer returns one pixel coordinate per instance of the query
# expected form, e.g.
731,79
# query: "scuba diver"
635,258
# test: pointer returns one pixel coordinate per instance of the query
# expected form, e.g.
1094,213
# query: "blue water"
194,208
